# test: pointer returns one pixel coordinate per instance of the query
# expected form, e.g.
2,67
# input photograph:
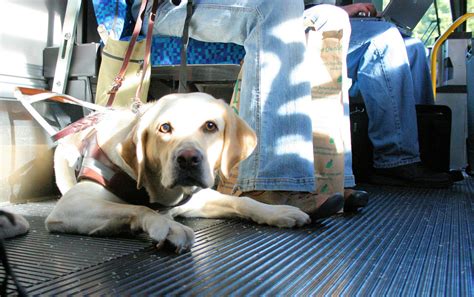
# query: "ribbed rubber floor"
407,242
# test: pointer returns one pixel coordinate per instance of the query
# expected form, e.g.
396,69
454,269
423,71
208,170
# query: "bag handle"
146,60
136,31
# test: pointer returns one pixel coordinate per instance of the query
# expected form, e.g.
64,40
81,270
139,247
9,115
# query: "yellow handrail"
439,42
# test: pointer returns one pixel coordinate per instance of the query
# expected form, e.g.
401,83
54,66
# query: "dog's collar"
161,207
96,166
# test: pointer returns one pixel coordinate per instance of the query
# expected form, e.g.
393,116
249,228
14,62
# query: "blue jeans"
391,81
420,70
276,92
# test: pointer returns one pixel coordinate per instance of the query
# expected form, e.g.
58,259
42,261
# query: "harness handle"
28,96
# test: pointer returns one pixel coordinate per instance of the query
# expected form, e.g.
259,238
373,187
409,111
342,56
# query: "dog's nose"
189,158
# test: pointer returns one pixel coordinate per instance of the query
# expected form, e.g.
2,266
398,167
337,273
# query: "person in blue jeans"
276,93
391,73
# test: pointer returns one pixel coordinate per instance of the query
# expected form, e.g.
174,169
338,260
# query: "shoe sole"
334,204
356,201
391,181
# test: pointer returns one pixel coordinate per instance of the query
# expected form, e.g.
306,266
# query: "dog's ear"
239,141
133,152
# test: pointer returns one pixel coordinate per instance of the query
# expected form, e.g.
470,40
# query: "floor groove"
406,242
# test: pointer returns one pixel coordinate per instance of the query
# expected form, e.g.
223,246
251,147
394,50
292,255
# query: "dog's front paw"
181,237
157,228
285,216
163,229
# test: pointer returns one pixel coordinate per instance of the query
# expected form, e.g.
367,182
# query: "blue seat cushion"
166,51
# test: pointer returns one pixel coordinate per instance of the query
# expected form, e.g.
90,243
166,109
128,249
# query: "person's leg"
379,66
420,71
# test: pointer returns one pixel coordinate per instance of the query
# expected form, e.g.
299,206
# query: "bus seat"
207,62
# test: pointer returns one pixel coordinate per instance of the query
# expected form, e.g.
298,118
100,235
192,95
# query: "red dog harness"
97,167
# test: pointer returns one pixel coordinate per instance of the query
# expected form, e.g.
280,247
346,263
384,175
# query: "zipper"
121,59
139,62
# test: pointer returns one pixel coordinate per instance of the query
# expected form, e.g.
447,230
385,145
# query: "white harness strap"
28,96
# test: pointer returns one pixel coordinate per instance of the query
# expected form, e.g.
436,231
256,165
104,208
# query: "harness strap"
97,166
79,125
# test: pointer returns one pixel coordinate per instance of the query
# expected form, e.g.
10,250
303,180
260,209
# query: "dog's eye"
165,128
210,126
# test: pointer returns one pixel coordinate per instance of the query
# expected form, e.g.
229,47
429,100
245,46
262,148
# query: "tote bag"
124,74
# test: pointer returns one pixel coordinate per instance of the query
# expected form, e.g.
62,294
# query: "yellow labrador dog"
171,149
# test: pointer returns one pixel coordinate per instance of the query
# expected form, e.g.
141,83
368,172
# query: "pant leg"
420,71
275,96
379,68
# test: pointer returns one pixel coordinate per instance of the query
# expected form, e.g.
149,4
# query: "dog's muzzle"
189,168
189,159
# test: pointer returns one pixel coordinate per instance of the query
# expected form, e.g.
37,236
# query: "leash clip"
135,107
115,85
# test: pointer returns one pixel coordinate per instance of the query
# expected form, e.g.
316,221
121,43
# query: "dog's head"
182,139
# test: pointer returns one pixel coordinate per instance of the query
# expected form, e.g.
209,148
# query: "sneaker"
355,199
411,175
317,206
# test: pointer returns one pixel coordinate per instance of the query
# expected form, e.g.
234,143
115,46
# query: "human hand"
360,9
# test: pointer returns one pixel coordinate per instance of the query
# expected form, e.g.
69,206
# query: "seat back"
115,16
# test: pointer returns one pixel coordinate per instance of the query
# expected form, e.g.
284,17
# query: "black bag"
434,136
362,149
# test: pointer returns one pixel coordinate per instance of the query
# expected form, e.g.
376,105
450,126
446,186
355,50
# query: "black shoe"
411,175
334,204
354,199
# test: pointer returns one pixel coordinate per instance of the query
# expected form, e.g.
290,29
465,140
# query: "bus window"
427,29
